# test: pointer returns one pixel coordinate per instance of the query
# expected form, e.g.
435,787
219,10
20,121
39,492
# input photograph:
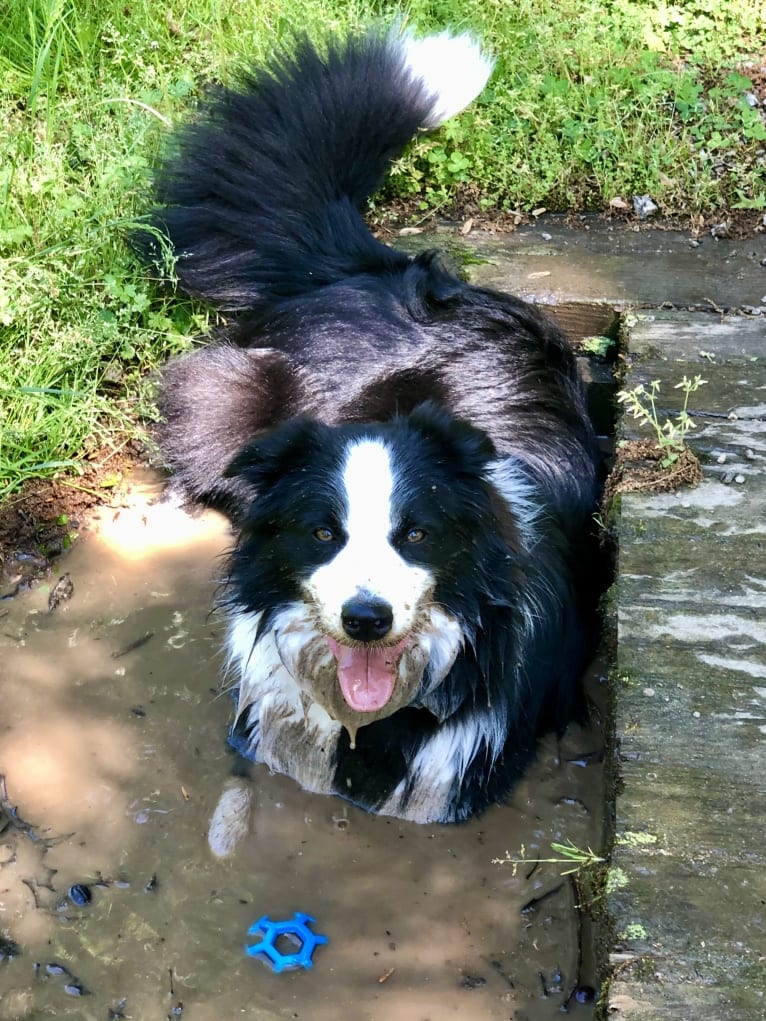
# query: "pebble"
644,206
61,592
80,895
585,994
8,949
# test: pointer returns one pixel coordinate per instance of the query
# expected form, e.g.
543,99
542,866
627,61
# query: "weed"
569,854
601,347
670,434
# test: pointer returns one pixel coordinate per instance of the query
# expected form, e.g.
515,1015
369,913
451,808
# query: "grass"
591,101
575,858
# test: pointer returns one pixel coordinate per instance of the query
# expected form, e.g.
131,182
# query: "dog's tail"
261,198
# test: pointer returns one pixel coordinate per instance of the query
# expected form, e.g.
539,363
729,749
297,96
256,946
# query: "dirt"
639,468
47,516
113,751
465,215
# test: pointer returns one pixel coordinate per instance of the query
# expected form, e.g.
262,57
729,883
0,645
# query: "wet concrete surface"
688,877
112,744
620,264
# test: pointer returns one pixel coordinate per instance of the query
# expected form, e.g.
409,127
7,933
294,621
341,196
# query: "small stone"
80,895
739,479
644,206
585,994
472,981
649,692
721,459
61,592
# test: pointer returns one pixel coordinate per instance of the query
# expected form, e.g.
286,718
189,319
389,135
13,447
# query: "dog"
408,459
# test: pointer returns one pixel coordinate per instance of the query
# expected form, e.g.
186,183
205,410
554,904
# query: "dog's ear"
288,447
467,448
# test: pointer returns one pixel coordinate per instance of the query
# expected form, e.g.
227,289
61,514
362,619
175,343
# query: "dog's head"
366,552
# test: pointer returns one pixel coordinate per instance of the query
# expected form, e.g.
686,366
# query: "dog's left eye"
415,535
324,534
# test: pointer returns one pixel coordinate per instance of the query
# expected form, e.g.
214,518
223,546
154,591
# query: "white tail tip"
453,68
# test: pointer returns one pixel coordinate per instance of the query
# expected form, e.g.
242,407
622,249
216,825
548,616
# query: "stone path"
687,885
688,876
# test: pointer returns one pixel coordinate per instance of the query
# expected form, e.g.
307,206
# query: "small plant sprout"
569,853
670,434
599,346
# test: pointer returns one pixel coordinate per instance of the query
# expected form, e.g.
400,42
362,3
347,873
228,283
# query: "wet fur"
333,337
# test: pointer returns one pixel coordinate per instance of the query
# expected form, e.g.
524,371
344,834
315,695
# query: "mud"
112,744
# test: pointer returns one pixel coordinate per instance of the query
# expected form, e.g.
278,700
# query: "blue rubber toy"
296,930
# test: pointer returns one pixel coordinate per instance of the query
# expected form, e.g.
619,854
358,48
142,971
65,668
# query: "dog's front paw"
230,821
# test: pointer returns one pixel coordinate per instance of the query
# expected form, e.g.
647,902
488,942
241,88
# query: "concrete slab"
613,265
687,886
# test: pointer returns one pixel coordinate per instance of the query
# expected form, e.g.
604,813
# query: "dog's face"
354,542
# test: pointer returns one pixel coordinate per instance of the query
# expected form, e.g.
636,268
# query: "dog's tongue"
367,677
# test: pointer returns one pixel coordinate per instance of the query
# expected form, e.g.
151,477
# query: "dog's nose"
366,618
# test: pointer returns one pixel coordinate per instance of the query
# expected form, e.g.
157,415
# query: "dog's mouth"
367,675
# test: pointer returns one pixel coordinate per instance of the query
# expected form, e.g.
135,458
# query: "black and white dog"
408,457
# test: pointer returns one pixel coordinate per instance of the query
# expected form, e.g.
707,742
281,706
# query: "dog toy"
295,930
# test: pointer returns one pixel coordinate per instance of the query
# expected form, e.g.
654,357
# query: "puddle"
112,743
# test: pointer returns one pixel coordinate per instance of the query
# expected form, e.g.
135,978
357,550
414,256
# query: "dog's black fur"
332,336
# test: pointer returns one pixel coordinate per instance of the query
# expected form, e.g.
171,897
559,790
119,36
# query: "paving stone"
688,882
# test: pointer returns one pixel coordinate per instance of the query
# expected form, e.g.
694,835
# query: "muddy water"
112,744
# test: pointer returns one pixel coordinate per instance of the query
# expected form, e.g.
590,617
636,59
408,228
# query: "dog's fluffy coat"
408,457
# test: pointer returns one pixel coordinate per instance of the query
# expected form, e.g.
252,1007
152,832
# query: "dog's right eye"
324,534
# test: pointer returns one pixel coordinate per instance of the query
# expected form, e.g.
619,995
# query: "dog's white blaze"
453,68
369,483
368,562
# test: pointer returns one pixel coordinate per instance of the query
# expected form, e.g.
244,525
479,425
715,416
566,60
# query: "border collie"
407,458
